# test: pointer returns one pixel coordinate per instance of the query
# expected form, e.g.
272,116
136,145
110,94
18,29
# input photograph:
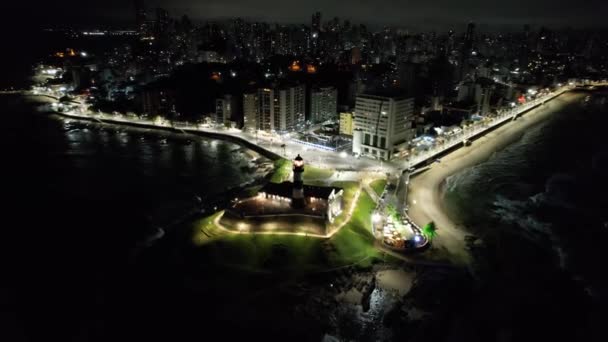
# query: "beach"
425,197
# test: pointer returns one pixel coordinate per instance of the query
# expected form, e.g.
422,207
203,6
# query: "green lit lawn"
355,240
283,172
311,172
350,188
204,230
378,185
353,244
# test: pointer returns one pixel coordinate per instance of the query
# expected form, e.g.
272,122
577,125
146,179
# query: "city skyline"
411,15
375,171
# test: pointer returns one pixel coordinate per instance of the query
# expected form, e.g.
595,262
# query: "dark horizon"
416,15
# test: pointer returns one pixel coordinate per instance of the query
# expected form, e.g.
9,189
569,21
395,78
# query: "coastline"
426,189
45,99
425,198
256,163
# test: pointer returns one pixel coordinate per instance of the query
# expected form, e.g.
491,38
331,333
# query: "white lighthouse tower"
298,182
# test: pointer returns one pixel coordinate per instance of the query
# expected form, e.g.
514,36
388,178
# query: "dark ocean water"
146,171
78,198
541,205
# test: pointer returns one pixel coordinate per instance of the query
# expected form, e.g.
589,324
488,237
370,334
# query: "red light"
521,99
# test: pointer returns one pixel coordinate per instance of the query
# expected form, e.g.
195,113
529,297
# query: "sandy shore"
425,197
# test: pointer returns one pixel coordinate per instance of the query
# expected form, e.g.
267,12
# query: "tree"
429,230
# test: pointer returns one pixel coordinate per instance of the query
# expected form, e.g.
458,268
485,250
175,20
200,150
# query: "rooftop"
285,190
384,94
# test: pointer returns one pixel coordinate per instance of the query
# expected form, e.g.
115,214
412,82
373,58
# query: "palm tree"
429,230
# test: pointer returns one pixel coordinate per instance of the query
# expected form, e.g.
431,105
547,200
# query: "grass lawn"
378,185
255,252
205,230
355,240
353,244
350,188
283,172
311,172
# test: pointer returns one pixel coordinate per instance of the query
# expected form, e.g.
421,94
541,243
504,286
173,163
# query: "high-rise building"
265,109
315,31
250,105
525,47
316,22
279,109
406,73
355,55
467,48
289,108
225,108
323,104
346,123
162,21
483,94
382,125
450,41
158,100
469,36
140,16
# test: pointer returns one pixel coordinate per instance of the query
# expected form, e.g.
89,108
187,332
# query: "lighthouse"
298,183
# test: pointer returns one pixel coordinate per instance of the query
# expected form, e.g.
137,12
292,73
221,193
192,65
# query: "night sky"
422,14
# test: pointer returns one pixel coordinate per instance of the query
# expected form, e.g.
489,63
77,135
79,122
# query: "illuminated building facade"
279,109
323,104
250,111
382,125
225,107
346,123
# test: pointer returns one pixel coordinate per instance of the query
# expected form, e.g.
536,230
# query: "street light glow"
376,218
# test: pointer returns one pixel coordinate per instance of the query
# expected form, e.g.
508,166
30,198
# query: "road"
274,144
425,197
315,156
481,128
